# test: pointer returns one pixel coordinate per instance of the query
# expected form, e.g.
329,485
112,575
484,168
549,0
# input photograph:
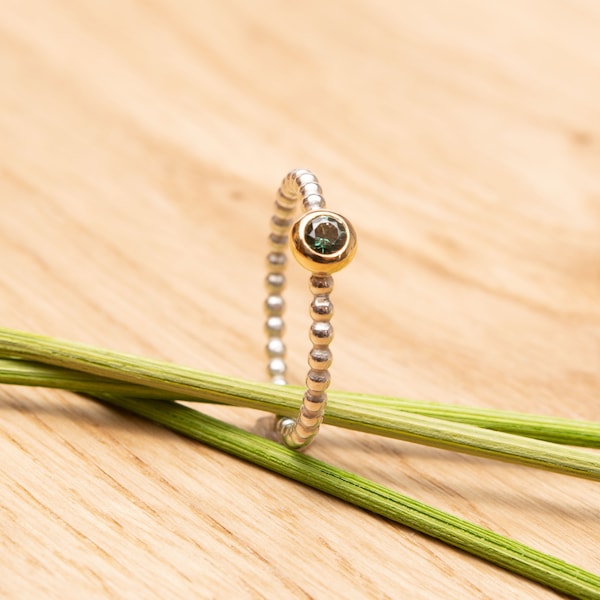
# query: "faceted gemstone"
325,234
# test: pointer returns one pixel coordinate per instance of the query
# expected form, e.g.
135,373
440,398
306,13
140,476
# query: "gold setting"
314,261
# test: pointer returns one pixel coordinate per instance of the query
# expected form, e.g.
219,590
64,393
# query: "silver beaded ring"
323,242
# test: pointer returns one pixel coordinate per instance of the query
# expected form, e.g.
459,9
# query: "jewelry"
323,242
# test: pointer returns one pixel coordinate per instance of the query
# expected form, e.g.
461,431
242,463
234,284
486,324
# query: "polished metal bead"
275,282
305,430
280,226
314,202
284,425
285,199
274,305
276,367
320,358
310,188
274,326
276,348
295,174
293,440
321,333
314,401
296,179
310,416
318,381
278,242
321,308
276,262
279,379
321,284
283,211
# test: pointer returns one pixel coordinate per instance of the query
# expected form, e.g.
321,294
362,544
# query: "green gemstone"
325,234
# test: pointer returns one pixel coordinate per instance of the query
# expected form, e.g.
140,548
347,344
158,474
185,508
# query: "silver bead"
280,226
284,425
314,202
321,333
296,179
320,358
310,188
274,305
278,243
274,326
297,174
285,199
275,348
276,262
307,429
307,415
307,425
292,439
321,284
278,380
282,210
275,282
276,367
318,381
321,308
314,402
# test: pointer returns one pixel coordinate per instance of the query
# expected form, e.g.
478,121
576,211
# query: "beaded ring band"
323,242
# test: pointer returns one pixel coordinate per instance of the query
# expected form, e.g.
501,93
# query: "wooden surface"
141,143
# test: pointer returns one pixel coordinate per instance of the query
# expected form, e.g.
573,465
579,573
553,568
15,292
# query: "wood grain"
141,143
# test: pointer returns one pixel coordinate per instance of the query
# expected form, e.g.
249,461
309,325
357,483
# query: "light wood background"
141,143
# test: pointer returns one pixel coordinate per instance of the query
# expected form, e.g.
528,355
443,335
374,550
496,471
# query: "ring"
323,242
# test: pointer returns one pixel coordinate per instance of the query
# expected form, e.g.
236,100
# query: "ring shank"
299,186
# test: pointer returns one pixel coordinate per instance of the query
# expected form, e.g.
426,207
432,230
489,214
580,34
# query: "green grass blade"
573,432
480,542
35,374
552,429
283,400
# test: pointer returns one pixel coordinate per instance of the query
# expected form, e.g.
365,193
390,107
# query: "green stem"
572,432
551,429
485,544
187,382
15,371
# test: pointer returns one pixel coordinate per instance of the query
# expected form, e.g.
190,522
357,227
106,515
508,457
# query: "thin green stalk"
15,371
480,542
280,400
551,429
572,432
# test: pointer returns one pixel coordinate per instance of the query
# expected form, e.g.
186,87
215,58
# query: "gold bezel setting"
322,262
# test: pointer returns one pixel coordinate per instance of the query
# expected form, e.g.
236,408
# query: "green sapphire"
325,234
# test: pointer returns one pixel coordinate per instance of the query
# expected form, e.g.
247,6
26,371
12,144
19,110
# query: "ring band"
323,242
